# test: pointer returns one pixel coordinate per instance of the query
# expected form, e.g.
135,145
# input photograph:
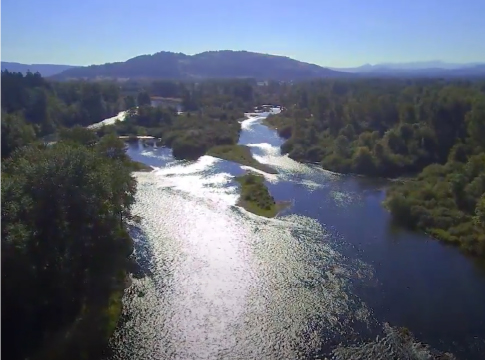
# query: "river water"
218,282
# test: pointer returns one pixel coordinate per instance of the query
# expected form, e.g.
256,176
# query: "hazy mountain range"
44,69
239,64
411,66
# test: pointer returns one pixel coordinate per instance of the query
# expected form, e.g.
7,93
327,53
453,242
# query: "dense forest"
64,211
64,245
393,128
33,107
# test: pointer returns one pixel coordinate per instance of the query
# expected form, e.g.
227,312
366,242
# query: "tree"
342,146
130,102
61,211
143,98
15,133
112,147
78,135
363,161
475,121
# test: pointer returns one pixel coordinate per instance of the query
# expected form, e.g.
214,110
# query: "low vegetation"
446,201
240,154
255,196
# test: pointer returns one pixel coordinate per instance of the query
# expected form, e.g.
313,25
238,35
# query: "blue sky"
335,33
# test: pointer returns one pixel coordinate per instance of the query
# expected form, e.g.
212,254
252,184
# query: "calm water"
221,283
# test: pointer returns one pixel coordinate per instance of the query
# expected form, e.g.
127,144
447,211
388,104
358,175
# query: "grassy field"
256,198
240,154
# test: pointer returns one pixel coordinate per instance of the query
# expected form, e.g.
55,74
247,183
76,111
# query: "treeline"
211,115
391,128
447,200
383,128
189,135
64,245
33,107
64,209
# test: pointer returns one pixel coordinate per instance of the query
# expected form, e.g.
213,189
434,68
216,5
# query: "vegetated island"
255,197
240,154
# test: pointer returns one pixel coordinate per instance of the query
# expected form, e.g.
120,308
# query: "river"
218,282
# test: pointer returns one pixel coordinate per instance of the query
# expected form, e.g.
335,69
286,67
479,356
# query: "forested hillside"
391,128
206,65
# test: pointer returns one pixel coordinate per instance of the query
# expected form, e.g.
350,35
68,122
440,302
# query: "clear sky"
336,33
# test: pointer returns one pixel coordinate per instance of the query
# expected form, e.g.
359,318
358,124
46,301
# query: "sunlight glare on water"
223,283
226,283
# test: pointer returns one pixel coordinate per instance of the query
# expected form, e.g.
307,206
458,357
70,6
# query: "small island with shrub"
255,197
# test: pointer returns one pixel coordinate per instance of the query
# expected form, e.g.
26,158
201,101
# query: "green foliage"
63,213
240,154
255,196
212,110
363,162
78,135
390,128
130,102
143,98
15,133
447,201
48,106
406,124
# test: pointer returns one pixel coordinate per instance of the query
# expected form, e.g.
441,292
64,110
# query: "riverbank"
443,201
255,197
240,154
137,166
281,124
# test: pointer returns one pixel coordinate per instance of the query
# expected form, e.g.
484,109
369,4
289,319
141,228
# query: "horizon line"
477,62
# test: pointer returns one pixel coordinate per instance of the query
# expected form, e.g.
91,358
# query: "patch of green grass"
113,311
139,167
256,198
240,154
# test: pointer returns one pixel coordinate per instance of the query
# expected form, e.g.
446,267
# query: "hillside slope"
211,64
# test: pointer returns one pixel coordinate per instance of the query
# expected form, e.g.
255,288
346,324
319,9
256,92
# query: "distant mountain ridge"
210,64
418,66
44,69
242,64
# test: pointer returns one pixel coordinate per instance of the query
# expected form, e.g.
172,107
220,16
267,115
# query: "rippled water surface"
222,283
